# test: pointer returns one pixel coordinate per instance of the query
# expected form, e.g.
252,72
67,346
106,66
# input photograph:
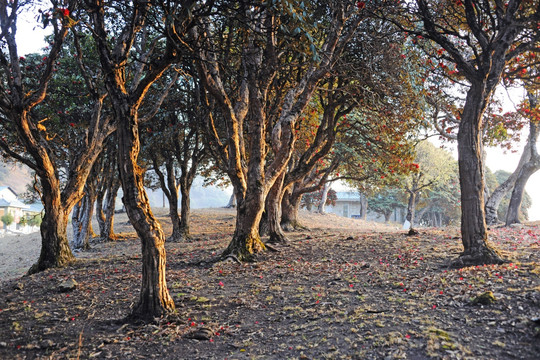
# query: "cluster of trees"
275,97
434,191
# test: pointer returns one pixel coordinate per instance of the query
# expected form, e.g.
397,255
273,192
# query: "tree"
441,204
479,38
528,168
255,118
176,150
7,219
386,201
501,177
433,168
107,190
127,87
32,137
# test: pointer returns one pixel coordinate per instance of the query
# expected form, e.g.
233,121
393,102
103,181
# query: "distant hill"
15,176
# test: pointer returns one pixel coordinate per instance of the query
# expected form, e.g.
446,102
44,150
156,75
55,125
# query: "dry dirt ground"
342,289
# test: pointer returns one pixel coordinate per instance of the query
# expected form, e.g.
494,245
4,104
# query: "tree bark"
55,251
473,223
273,209
81,221
324,196
494,201
411,205
363,206
290,204
512,215
246,241
232,202
532,166
185,207
169,186
154,300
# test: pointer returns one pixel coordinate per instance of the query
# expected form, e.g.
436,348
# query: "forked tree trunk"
473,224
55,251
154,300
494,201
273,209
512,215
105,206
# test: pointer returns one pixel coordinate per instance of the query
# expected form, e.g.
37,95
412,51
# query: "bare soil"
342,289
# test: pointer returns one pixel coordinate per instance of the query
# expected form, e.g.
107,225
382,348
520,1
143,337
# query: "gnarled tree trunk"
246,241
105,206
185,206
55,251
154,298
363,206
411,206
290,204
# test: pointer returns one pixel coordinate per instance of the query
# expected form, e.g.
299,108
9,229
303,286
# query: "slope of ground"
343,289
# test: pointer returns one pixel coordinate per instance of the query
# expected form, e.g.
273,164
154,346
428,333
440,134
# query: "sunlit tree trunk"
324,197
55,250
154,300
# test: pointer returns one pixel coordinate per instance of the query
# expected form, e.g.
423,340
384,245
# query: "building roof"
2,188
14,204
36,207
348,196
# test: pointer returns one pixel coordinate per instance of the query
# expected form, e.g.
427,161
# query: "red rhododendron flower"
65,12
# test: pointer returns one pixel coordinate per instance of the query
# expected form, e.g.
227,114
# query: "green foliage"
7,219
386,201
35,220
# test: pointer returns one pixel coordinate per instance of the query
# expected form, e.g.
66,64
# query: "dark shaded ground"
336,292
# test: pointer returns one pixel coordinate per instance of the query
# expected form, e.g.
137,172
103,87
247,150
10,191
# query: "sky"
30,39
